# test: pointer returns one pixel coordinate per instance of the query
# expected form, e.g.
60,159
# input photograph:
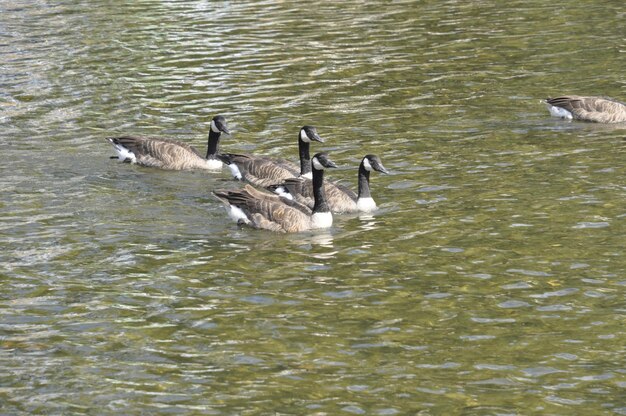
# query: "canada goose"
171,154
264,171
597,109
267,211
340,198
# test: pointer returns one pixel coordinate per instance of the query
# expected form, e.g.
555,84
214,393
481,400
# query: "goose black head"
218,125
372,162
309,133
321,161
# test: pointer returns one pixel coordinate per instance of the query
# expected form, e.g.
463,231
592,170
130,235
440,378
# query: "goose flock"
281,196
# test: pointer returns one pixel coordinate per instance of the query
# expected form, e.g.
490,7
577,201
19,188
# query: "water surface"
491,281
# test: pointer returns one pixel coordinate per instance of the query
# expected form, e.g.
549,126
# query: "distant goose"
597,109
266,211
340,198
264,171
170,154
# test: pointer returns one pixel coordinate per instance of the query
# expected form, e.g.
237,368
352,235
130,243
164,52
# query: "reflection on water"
323,239
368,222
488,282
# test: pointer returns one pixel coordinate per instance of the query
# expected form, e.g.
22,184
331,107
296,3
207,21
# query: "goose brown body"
262,210
171,154
263,171
341,199
161,153
595,109
267,211
260,171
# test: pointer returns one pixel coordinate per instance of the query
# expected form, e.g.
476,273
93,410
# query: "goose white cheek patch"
559,112
281,191
235,171
124,154
237,214
317,165
367,165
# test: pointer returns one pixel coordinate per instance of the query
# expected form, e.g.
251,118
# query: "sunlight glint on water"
490,281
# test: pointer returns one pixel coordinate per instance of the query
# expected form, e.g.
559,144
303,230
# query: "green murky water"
491,281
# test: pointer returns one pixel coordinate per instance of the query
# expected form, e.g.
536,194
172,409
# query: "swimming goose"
264,171
267,211
340,198
597,109
171,154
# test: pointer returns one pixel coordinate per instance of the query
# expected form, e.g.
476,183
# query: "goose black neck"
305,157
318,192
364,182
213,145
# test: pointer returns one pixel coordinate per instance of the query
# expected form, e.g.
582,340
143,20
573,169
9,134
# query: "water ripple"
499,235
